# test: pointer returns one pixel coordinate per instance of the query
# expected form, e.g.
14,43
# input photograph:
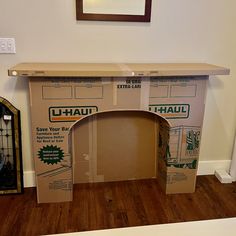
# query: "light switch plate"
7,45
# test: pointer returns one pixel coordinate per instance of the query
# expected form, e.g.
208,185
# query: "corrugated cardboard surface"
182,102
115,70
120,145
57,103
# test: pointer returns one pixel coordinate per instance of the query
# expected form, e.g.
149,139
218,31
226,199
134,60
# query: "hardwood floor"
117,204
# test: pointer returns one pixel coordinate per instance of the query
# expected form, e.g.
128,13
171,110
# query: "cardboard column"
182,102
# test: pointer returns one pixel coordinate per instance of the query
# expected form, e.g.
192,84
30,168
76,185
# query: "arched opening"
117,146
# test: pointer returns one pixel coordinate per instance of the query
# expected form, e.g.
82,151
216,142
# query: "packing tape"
125,70
86,157
90,148
106,81
114,89
96,177
94,151
99,178
30,84
93,172
145,93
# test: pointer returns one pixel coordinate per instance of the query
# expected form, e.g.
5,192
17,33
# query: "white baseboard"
204,168
29,179
209,167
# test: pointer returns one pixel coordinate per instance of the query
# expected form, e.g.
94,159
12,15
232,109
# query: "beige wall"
180,31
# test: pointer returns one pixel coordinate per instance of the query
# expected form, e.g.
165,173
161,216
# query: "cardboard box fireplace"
112,122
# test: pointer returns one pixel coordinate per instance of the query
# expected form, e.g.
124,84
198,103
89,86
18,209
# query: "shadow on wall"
214,122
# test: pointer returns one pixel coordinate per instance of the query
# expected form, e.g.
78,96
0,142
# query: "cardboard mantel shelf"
115,69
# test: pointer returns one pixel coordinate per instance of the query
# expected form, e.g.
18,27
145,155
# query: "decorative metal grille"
10,149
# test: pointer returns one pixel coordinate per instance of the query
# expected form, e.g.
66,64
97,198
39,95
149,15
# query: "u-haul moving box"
114,138
132,125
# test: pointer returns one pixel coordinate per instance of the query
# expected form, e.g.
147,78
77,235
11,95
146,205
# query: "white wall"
180,31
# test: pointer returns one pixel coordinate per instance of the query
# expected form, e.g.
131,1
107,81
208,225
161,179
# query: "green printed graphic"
171,111
192,165
192,140
70,113
51,154
168,154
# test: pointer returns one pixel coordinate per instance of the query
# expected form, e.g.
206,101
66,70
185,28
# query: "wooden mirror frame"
80,15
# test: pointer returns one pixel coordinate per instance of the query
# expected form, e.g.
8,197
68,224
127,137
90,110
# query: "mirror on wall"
113,10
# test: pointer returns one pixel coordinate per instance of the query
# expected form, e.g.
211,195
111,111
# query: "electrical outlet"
7,45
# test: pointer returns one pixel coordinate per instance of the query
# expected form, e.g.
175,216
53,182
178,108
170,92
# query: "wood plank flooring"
117,204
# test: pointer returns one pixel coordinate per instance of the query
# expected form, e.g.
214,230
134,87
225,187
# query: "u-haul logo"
171,111
70,113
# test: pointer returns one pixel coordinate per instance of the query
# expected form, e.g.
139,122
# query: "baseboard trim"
204,168
209,167
29,179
